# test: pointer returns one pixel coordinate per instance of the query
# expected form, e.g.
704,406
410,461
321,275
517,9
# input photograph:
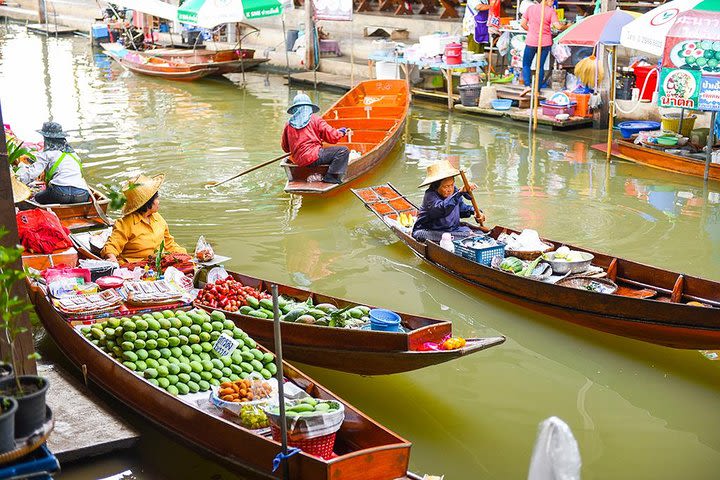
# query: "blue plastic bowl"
501,104
628,129
384,320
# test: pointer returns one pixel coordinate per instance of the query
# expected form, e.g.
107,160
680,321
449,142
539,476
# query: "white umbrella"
648,32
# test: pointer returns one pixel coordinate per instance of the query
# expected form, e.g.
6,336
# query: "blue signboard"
709,96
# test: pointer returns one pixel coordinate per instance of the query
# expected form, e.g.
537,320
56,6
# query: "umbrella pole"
539,67
710,143
682,117
279,375
611,110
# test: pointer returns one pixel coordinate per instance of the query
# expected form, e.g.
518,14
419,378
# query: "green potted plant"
8,408
28,390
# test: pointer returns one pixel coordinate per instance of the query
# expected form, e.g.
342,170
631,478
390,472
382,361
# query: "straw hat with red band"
139,190
439,171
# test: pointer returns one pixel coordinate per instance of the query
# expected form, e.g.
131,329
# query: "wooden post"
24,341
42,12
309,35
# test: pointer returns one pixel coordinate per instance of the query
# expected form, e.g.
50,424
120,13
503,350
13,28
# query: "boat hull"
666,161
379,453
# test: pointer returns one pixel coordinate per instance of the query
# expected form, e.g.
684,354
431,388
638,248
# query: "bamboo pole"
539,67
611,110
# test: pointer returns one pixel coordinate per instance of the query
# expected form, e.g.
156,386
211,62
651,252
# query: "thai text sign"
679,88
709,97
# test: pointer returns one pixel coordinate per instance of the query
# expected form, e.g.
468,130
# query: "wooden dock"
523,115
84,424
51,29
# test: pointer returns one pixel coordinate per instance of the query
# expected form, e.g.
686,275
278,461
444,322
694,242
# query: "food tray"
561,268
235,407
603,285
483,255
527,254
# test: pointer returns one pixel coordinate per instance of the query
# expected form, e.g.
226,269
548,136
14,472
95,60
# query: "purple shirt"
442,214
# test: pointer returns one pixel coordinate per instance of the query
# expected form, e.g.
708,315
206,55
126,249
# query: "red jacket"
304,144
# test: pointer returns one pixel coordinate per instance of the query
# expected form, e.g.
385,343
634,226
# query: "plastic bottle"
446,242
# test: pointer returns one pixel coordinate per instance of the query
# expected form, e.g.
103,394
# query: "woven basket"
527,254
319,446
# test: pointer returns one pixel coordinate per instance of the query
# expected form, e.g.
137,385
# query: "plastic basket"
483,256
319,446
470,95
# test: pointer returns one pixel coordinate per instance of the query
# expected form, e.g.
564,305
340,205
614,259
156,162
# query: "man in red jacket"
304,136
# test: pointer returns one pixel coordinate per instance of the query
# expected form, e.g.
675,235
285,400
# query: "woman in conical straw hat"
442,206
140,231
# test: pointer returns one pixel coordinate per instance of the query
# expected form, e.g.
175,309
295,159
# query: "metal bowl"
561,268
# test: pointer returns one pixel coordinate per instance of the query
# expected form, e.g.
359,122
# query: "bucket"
671,123
453,53
470,95
583,104
387,71
384,320
641,73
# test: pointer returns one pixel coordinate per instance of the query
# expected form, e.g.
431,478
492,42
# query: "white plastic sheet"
556,455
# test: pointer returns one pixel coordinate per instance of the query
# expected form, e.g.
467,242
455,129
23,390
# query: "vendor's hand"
468,187
111,258
343,130
480,219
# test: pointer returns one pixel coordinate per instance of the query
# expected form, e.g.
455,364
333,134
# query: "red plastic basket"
319,446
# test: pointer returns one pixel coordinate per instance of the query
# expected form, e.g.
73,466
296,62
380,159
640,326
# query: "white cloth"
68,173
468,23
524,5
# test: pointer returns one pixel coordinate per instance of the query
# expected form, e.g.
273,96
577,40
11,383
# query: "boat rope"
282,456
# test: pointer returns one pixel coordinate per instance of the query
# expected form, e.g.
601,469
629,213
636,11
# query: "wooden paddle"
472,199
245,172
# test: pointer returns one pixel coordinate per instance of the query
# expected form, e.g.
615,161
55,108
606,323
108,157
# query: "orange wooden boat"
653,305
225,61
74,216
155,66
364,448
663,160
375,111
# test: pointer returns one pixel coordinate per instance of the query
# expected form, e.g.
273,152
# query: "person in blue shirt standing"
62,167
443,205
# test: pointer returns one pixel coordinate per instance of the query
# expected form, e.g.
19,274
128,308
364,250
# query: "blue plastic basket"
483,256
384,320
39,462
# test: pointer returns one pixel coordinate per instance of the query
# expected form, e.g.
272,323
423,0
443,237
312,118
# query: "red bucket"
642,73
319,446
453,53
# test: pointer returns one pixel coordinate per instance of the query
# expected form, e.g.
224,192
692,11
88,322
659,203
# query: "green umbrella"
210,13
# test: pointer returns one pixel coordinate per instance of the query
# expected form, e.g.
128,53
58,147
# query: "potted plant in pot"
28,390
8,408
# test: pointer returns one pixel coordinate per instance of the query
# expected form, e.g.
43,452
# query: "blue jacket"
443,214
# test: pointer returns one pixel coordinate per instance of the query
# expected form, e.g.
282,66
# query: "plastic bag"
40,231
203,250
503,43
556,454
560,52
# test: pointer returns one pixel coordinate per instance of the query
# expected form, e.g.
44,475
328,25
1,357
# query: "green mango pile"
307,407
174,350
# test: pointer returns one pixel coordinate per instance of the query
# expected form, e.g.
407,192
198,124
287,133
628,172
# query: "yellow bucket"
671,123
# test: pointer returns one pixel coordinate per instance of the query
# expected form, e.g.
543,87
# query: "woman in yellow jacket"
140,231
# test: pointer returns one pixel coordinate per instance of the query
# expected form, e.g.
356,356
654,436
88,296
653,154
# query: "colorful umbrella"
648,32
210,13
603,28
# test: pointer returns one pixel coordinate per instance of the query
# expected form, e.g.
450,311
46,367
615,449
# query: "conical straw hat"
20,190
438,171
139,190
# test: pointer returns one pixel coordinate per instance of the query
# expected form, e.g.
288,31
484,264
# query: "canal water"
637,411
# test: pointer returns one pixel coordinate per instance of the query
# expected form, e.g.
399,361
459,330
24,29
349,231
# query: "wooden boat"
365,449
663,160
364,352
225,61
650,304
155,66
375,111
75,216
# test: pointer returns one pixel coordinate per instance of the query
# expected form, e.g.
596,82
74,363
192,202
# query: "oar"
472,199
245,172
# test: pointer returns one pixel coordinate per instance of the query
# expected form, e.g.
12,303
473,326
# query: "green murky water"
638,411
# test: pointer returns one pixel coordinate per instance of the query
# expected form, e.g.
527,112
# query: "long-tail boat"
225,61
364,352
75,216
155,66
651,304
375,111
364,448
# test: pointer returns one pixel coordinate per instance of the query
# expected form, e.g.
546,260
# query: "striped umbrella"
603,28
695,18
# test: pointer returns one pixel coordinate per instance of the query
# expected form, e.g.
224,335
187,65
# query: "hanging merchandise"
337,10
560,52
503,43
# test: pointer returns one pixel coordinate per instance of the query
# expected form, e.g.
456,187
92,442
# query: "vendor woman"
141,230
62,167
443,205
304,136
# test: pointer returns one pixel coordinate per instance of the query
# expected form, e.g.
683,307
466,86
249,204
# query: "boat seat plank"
677,292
